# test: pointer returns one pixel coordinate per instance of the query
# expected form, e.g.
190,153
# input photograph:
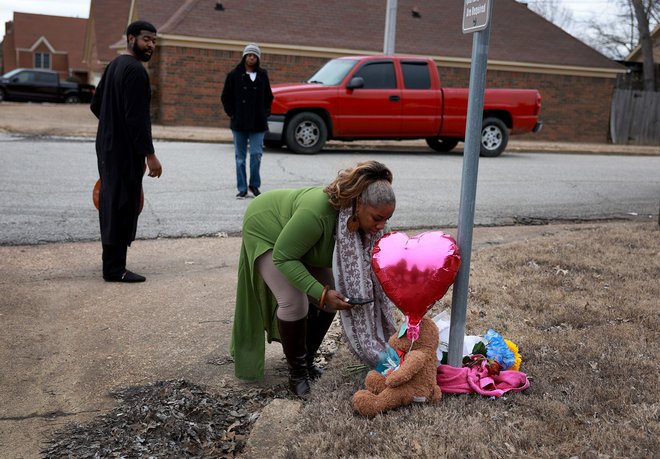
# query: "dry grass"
583,308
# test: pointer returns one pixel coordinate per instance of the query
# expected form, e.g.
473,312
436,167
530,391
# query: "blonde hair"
370,181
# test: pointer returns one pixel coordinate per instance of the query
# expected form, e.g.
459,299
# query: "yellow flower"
513,348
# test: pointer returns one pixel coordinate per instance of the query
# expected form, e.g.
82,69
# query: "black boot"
292,335
318,323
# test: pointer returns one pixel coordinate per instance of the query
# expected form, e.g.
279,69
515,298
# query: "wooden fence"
635,117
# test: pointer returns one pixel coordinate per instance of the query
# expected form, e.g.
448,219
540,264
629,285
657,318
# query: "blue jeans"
256,140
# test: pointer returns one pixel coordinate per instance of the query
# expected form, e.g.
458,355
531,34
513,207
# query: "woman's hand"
336,301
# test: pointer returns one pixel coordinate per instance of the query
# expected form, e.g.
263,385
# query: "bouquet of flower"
498,352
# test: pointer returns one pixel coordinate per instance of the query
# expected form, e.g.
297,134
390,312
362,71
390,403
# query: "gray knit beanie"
252,49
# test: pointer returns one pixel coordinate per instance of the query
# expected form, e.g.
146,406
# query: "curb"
224,136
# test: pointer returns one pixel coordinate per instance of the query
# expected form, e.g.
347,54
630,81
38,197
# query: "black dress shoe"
242,194
128,277
254,190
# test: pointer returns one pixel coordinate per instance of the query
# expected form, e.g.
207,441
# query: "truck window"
47,78
377,75
333,72
416,75
25,77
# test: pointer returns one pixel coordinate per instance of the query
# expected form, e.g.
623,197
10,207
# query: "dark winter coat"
247,102
123,139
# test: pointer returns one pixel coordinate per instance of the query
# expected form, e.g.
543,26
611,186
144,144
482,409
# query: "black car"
42,86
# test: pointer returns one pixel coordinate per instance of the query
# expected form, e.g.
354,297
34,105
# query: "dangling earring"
353,224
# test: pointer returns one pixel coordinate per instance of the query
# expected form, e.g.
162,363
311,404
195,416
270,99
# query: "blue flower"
498,350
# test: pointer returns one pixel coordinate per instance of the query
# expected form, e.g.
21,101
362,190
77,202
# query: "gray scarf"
368,327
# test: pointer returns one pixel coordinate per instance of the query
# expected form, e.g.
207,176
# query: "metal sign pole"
468,192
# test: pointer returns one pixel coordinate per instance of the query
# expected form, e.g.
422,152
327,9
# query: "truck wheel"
72,99
441,144
306,133
494,137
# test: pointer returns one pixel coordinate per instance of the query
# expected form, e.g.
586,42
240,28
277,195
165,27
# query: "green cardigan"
299,227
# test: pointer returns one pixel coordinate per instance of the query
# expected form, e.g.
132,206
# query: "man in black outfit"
123,142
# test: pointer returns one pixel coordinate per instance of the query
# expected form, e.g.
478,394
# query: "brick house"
45,42
201,40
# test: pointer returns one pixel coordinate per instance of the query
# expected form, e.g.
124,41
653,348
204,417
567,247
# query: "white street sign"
475,15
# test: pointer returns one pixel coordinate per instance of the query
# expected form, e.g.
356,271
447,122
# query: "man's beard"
140,53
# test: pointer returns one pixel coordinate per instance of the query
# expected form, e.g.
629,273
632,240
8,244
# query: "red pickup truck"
395,98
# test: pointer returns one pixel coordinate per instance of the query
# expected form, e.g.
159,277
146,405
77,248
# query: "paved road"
46,183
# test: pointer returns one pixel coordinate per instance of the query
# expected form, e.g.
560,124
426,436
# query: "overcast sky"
581,9
73,8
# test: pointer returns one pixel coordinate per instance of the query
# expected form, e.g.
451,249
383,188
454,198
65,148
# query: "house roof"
62,34
519,37
107,21
517,33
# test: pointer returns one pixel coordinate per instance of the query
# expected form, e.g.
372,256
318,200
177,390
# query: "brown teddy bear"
413,381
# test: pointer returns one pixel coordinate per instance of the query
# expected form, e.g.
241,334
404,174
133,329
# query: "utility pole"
390,27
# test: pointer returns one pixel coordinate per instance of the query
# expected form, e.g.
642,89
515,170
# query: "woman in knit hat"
247,98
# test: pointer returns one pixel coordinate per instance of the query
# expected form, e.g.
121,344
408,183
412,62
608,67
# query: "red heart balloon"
415,272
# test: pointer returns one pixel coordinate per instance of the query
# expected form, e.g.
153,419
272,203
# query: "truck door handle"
395,98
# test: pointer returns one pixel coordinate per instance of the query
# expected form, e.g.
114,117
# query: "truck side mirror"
355,83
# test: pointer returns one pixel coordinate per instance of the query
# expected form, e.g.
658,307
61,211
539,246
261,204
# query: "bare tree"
642,13
553,11
619,37
615,37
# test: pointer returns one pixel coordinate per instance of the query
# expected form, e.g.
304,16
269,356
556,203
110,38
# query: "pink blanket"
476,379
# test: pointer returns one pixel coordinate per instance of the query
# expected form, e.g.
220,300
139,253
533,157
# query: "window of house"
41,60
416,75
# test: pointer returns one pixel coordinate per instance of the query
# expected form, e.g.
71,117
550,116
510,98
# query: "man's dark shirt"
123,139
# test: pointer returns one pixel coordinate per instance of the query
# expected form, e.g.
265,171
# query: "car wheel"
441,144
494,137
2,95
72,99
306,133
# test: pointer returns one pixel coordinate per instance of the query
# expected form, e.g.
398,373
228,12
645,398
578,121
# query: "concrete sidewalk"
69,338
